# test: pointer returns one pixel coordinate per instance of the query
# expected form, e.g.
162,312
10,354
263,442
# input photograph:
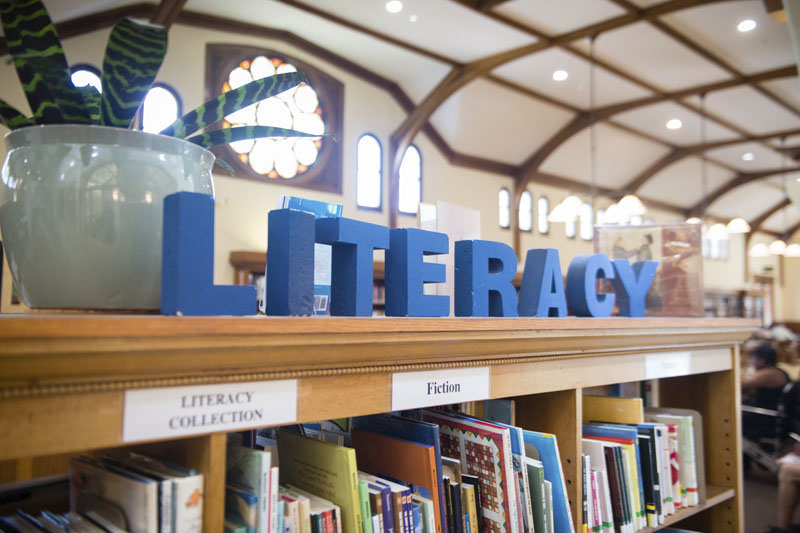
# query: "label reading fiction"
412,390
176,411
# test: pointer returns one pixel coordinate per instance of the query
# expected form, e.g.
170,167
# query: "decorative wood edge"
35,391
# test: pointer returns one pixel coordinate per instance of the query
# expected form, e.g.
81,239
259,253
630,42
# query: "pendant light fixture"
566,211
793,250
738,225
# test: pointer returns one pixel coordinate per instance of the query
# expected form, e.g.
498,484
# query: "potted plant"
81,194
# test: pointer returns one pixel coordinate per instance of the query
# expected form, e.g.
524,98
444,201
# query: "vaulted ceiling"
477,77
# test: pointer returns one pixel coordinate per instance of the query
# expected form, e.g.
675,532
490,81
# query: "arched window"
571,228
160,108
599,219
504,208
525,219
543,209
315,106
410,181
369,163
84,74
587,224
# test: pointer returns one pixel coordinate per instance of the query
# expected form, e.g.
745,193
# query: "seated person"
788,489
762,389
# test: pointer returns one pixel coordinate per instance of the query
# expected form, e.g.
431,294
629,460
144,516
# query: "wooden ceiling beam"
755,224
676,155
167,12
95,21
742,178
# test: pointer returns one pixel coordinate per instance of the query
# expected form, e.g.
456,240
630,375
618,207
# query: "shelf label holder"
170,412
413,390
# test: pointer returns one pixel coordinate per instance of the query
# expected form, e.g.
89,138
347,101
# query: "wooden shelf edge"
715,496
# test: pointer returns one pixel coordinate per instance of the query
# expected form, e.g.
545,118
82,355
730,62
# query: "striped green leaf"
40,62
11,118
134,54
240,133
91,100
231,101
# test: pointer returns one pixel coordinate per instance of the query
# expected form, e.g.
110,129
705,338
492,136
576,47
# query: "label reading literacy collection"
412,390
177,411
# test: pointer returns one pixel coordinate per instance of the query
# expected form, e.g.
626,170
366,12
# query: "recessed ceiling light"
746,25
394,6
749,156
413,17
560,75
674,124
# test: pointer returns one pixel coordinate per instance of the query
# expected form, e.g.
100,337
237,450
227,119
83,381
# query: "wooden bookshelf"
63,380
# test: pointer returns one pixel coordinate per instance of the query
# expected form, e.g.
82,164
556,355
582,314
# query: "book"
546,445
690,433
323,253
325,515
376,505
135,495
399,498
538,500
241,506
594,449
399,459
291,510
366,510
428,514
413,431
472,481
387,502
324,469
165,504
470,507
613,409
492,445
250,468
548,498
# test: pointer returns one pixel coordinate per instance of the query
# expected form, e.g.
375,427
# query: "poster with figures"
677,289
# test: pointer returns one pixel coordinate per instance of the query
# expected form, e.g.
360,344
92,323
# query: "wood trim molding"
167,12
755,224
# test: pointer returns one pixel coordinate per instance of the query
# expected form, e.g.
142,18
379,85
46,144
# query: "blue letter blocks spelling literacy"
290,263
187,262
407,273
351,273
484,271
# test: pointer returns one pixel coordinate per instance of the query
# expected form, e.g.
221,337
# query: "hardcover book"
324,469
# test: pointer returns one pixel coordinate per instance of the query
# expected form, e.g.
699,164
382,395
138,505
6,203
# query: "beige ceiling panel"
787,89
777,181
681,183
554,18
487,120
447,28
748,201
655,57
536,72
747,157
619,156
786,218
385,59
60,10
751,110
713,26
653,119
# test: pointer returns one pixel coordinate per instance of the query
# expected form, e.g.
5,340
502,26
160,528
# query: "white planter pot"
81,211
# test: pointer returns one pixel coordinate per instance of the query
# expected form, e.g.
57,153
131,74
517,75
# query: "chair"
766,436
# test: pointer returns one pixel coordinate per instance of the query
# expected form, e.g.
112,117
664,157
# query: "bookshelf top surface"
40,325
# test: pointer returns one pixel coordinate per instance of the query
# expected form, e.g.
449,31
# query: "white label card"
177,411
412,390
667,364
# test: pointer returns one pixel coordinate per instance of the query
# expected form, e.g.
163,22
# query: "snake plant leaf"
134,54
231,101
11,118
91,100
240,133
40,62
224,164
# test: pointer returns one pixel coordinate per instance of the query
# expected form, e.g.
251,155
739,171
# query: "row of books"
639,467
427,471
126,493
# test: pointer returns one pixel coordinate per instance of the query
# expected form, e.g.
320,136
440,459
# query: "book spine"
366,511
597,521
509,479
274,514
188,504
388,510
329,527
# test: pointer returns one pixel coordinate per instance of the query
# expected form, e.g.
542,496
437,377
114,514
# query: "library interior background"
415,266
